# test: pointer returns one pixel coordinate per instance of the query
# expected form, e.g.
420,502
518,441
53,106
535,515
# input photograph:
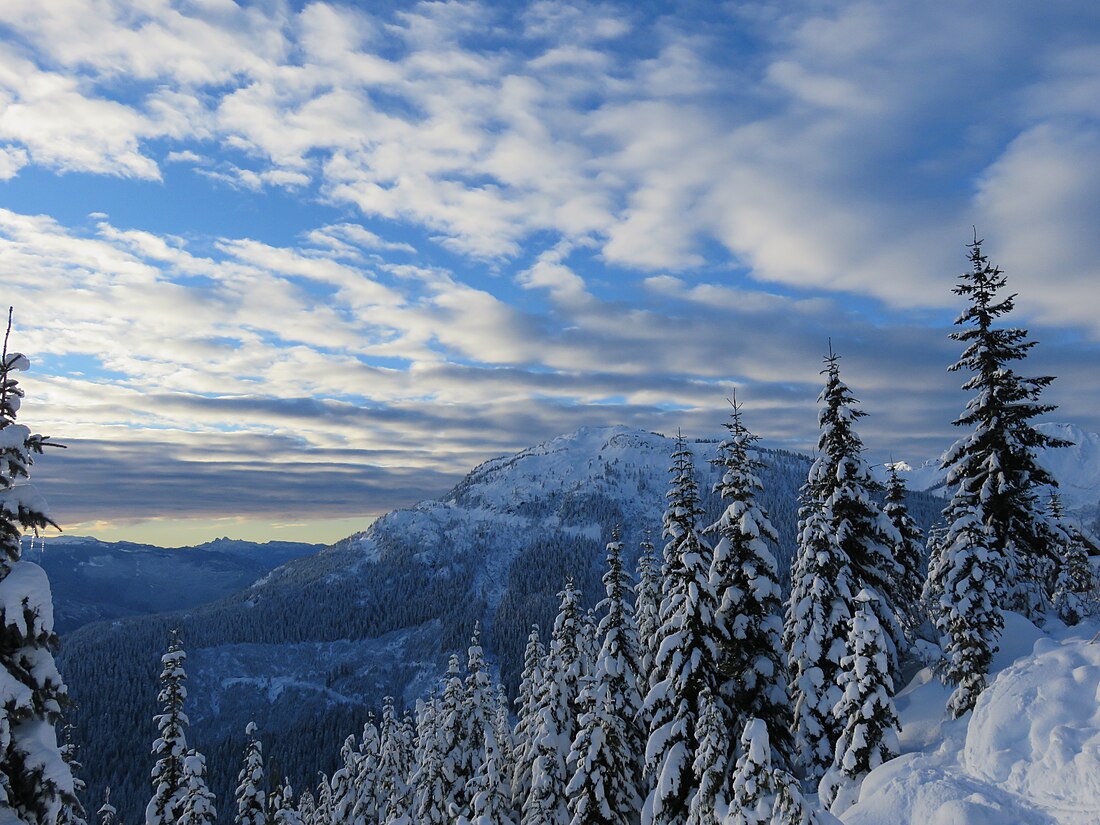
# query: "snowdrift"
1028,753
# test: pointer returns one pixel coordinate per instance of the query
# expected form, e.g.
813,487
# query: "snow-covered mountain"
1077,468
95,580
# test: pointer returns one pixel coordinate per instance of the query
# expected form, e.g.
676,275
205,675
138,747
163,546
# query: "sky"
281,267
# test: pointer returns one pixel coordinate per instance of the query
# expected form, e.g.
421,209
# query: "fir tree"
963,593
281,807
72,812
993,469
251,798
489,792
35,781
909,553
606,754
842,484
647,605
323,808
815,635
170,747
866,709
480,715
1074,582
711,766
390,787
365,809
791,807
531,682
753,783
429,805
745,581
307,808
197,807
452,728
343,793
107,813
557,722
686,664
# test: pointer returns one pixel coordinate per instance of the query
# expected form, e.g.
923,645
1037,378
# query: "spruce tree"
170,747
251,797
993,469
843,485
908,552
686,664
323,809
531,682
963,593
390,788
647,605
281,807
452,727
365,809
749,615
35,781
72,812
866,709
342,787
307,808
606,755
815,635
489,791
1074,580
753,784
429,786
711,765
557,717
480,715
197,806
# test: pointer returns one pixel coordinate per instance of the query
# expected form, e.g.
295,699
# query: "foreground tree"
908,552
1074,581
170,748
745,580
197,806
251,797
531,682
685,668
35,780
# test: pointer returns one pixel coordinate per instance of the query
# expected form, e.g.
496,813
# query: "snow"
1028,753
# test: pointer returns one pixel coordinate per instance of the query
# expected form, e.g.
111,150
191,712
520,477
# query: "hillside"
95,580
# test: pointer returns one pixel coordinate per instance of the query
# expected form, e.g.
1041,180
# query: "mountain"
94,580
307,650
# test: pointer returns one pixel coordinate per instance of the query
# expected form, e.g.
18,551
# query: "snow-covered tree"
170,747
452,727
711,765
647,605
281,808
531,682
108,814
342,784
480,715
866,709
251,797
908,552
364,811
307,808
963,592
557,718
606,754
391,792
686,663
197,807
749,615
72,812
429,786
489,792
753,785
842,485
815,635
1074,580
35,781
993,469
323,808
791,807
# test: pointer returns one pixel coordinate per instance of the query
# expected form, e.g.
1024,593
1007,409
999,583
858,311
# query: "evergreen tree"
866,709
108,815
307,809
342,789
745,580
489,792
647,605
322,811
686,664
390,788
842,484
909,553
365,809
506,743
606,754
429,784
1074,582
791,807
197,807
251,798
452,729
72,812
815,635
557,722
170,748
281,807
480,715
753,785
962,593
35,781
993,469
531,682
711,766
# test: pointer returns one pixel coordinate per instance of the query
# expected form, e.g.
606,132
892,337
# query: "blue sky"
282,267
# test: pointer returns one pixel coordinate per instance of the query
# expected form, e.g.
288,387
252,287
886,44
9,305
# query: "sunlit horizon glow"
282,263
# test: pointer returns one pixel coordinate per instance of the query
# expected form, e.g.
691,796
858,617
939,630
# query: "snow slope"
1028,753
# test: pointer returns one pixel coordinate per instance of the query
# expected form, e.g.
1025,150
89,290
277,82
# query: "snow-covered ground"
1028,753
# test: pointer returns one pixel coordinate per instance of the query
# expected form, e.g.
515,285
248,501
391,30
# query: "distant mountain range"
95,580
309,648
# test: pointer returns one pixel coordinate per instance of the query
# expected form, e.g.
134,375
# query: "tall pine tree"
908,552
531,682
170,747
749,614
251,797
35,780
